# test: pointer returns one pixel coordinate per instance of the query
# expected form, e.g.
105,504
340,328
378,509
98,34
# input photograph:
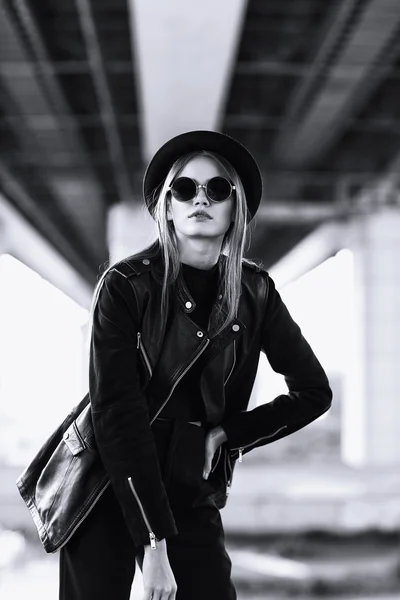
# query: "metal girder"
67,67
21,239
283,69
40,94
362,35
292,213
376,192
319,245
27,206
327,239
243,68
300,213
105,100
257,122
235,121
240,121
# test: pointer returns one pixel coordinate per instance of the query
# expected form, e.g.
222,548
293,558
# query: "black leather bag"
65,479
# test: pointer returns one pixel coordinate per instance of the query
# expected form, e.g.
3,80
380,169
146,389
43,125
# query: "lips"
200,213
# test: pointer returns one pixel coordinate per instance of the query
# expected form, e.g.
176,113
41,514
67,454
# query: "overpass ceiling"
311,87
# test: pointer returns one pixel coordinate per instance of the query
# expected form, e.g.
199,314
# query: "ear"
169,211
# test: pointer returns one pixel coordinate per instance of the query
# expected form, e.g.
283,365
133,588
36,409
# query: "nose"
201,198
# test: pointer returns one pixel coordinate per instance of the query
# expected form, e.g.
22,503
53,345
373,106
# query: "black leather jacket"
138,356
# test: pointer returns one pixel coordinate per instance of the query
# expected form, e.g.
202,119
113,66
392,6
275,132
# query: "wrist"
160,545
220,434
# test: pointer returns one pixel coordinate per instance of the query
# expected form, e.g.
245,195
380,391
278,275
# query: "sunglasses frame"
204,186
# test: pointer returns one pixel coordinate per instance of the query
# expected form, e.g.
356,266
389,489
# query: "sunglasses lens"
183,189
218,189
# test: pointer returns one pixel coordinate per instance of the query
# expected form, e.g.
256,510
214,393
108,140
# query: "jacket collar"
188,304
185,300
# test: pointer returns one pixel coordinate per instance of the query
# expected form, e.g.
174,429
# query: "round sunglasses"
217,189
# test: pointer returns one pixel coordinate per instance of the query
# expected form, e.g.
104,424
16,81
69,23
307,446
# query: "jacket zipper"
241,448
217,461
234,362
145,519
228,478
141,349
180,377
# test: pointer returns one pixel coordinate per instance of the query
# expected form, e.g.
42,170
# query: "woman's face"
201,169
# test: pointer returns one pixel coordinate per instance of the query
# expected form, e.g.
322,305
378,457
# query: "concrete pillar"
371,410
20,239
130,228
4,241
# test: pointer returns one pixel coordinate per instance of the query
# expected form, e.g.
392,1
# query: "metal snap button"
235,327
188,304
66,436
200,334
146,261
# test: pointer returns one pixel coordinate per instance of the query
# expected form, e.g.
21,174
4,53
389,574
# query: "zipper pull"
228,487
152,540
138,340
240,455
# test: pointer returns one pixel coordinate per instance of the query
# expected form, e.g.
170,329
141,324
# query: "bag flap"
73,439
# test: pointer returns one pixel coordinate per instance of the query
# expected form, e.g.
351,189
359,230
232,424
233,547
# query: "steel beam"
46,73
363,35
255,68
289,213
324,242
257,122
237,121
40,94
105,100
23,241
28,208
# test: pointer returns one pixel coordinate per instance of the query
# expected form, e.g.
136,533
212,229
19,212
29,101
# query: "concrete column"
371,409
22,240
130,228
4,240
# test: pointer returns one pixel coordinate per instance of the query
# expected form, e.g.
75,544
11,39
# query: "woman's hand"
215,437
158,579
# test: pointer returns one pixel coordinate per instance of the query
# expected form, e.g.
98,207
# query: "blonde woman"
176,338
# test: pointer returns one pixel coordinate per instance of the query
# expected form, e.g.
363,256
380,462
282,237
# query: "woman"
176,338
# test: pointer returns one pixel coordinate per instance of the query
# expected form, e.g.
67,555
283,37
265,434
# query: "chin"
200,228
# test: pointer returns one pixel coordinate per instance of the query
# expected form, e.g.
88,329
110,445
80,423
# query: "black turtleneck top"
186,402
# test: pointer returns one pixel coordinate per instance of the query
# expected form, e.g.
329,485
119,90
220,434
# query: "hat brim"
232,150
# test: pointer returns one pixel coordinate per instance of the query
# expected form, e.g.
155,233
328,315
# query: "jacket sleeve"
120,414
309,394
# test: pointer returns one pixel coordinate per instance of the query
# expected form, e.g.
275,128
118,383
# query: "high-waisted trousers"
100,559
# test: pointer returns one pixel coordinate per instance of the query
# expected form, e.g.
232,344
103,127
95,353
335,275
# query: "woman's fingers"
152,594
148,594
172,594
209,454
169,595
206,470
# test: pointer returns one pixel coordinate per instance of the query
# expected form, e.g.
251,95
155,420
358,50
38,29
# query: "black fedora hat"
213,141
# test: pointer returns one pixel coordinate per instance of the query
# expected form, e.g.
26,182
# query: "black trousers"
99,561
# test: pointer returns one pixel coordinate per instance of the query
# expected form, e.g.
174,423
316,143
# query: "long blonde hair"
235,243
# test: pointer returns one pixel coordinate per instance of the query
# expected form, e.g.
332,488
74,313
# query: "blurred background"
89,89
